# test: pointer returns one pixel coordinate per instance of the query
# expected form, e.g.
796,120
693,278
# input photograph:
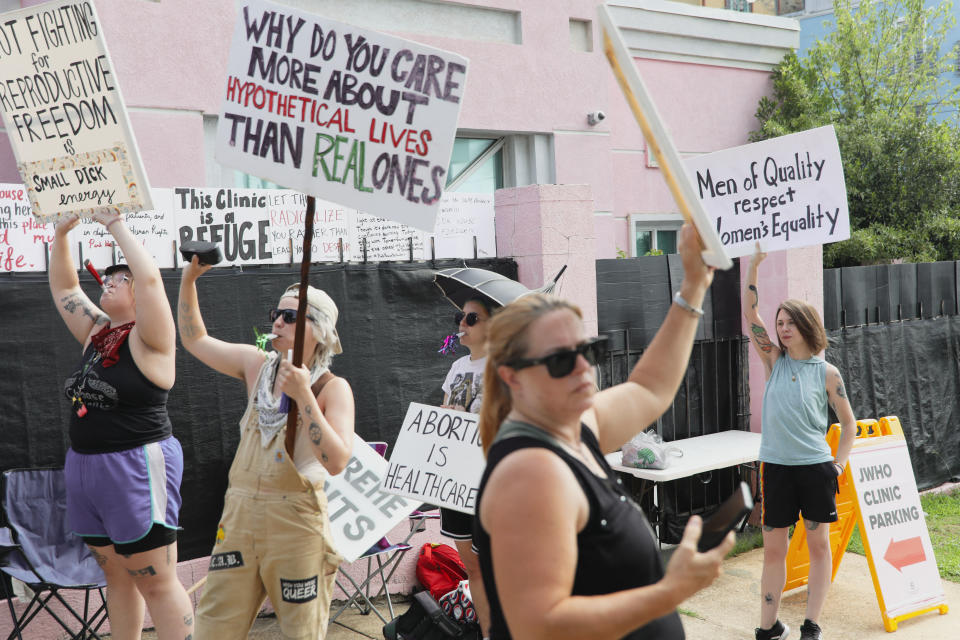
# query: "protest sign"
345,114
64,114
437,458
252,226
234,219
464,218
360,511
659,142
784,193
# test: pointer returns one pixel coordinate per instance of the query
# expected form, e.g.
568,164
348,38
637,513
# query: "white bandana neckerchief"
271,419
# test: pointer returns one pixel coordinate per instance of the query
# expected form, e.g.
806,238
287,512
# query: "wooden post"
291,436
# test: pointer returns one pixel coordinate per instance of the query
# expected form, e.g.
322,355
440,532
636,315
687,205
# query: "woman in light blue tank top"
799,472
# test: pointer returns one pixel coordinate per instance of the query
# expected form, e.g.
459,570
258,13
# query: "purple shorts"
121,495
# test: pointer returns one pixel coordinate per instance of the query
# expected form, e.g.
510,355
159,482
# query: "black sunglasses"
289,315
562,363
472,318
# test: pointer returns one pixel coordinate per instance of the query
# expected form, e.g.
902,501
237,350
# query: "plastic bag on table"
647,450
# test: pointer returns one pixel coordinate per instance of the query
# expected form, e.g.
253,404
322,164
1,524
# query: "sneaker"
810,630
778,631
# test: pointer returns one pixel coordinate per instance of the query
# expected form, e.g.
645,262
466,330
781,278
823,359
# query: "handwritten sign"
349,115
360,511
892,521
786,192
252,226
462,218
437,458
64,114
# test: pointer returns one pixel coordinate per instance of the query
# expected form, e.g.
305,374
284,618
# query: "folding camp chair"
387,557
38,549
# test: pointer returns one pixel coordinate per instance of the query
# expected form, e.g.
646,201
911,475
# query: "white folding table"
700,454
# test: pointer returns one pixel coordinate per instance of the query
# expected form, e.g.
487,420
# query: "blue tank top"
794,419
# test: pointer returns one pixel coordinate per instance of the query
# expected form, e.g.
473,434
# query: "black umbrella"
460,285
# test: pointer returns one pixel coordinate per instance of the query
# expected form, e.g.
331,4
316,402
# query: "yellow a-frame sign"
878,493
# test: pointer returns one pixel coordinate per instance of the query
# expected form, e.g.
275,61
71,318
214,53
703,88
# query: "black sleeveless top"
615,551
124,408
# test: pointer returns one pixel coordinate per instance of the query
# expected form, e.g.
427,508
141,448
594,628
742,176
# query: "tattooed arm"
837,397
327,417
78,312
241,361
766,349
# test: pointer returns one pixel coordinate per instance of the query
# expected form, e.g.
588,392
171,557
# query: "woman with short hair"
124,466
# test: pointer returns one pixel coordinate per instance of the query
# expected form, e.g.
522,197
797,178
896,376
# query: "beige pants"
273,539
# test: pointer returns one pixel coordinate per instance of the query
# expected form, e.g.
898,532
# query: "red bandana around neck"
108,340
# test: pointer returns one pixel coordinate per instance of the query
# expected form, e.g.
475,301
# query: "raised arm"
759,338
622,411
235,360
328,417
155,327
78,312
837,397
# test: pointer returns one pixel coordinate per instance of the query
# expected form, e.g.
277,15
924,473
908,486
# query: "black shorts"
456,524
788,491
158,536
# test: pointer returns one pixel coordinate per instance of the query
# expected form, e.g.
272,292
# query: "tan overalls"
274,539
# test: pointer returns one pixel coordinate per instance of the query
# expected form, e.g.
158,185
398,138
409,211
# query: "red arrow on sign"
906,552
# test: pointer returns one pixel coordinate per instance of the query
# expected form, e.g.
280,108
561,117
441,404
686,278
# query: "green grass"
943,523
689,613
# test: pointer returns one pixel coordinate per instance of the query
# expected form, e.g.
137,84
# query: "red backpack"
439,569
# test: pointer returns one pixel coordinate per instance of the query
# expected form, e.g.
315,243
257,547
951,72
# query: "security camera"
595,116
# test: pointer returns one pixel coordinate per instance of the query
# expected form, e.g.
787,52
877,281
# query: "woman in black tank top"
564,552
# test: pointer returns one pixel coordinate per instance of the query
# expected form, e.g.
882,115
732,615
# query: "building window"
476,165
654,234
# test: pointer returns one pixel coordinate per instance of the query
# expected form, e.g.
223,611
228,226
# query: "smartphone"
208,252
731,512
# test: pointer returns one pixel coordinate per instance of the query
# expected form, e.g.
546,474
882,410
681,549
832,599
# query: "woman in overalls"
274,535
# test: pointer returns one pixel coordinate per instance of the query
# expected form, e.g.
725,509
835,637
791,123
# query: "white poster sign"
64,115
360,511
894,526
437,458
348,115
784,193
465,218
252,226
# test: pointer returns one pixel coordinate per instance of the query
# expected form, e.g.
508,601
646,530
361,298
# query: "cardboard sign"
437,458
464,218
893,524
659,142
234,219
360,511
64,114
784,193
349,115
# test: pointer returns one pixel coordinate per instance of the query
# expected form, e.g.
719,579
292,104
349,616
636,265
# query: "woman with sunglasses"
123,460
274,534
798,471
463,391
564,552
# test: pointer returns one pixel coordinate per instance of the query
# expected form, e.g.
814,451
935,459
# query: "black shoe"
810,630
778,631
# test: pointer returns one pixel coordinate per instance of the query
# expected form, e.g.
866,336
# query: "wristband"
107,226
839,466
686,306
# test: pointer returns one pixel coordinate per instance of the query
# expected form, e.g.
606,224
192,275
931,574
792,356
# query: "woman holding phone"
564,552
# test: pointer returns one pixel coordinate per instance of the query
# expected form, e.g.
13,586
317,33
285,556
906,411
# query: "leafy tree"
882,79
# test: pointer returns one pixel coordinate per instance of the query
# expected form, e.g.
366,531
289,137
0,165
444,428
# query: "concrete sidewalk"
730,608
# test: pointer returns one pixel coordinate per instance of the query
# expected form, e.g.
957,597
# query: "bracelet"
117,219
686,306
839,466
